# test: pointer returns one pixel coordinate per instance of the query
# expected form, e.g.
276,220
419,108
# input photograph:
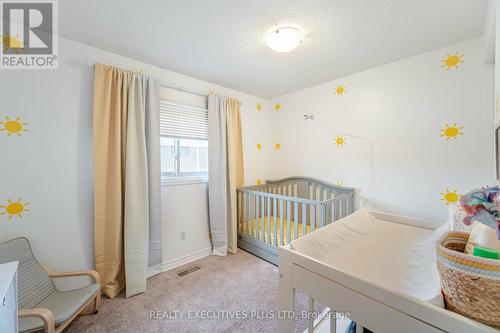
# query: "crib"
277,212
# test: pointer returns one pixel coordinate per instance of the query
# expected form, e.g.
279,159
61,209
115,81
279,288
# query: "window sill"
183,181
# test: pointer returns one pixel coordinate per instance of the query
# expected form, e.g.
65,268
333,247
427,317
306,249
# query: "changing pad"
394,256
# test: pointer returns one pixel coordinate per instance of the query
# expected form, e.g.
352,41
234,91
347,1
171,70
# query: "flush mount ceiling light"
284,39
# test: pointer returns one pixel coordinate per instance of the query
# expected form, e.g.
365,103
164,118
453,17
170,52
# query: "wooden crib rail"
277,196
277,212
306,188
312,180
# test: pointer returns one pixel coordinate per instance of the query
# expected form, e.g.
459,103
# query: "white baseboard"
168,265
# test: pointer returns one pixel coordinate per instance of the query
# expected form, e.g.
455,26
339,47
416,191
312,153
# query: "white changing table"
371,306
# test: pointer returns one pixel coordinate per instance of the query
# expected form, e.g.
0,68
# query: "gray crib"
279,211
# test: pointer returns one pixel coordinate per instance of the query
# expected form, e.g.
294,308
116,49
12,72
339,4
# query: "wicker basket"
470,285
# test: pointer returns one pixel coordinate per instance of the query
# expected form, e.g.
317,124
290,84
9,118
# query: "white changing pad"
391,255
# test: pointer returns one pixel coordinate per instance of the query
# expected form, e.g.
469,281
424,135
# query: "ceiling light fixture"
284,39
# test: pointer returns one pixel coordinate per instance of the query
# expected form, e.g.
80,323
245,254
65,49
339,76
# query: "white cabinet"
8,297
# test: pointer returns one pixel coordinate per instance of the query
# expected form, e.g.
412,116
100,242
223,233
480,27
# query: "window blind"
183,121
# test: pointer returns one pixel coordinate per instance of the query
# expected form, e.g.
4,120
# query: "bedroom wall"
50,166
494,9
495,41
403,109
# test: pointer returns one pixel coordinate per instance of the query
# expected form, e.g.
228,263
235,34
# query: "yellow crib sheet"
255,229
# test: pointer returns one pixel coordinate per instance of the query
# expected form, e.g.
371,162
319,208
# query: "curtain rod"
140,71
181,89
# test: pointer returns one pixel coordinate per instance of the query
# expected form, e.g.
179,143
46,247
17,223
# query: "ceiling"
221,41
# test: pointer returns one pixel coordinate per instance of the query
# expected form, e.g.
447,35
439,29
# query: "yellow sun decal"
450,197
258,107
452,61
13,126
451,132
14,208
259,146
258,182
340,90
339,183
340,141
278,146
12,43
277,106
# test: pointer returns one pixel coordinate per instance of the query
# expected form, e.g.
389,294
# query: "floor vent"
188,270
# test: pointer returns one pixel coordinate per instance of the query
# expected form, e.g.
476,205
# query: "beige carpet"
240,284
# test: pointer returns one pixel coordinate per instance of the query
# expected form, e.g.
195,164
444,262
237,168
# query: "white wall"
51,165
185,208
494,6
401,107
492,55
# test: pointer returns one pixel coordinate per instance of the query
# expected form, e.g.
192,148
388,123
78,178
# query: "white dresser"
8,297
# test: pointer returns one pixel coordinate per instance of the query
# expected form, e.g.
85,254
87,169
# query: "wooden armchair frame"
48,317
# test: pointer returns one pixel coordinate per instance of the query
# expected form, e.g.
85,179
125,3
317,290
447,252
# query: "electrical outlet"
182,234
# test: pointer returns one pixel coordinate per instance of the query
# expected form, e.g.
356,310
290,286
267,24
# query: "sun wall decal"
14,208
12,43
259,146
339,183
340,141
258,107
340,90
13,126
277,106
450,197
278,146
452,131
452,61
258,182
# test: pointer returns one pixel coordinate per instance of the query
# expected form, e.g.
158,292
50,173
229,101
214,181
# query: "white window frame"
178,175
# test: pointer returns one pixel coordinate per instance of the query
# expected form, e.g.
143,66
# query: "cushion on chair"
36,288
63,305
34,283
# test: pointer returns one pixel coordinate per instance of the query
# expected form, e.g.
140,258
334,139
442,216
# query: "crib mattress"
255,229
391,255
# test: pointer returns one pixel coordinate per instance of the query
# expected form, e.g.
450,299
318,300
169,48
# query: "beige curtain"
235,172
126,177
225,171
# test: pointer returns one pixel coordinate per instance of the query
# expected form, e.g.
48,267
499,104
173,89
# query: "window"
184,140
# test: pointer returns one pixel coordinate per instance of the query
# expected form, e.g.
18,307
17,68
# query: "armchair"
41,304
